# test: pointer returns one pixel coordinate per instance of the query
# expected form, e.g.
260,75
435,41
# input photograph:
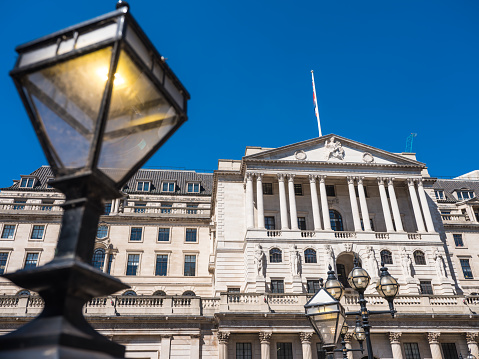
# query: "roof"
451,185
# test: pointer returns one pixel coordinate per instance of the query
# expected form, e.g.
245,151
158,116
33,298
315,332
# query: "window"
130,293
386,257
168,187
48,183
419,258
143,186
135,234
19,204
31,260
284,350
98,259
336,220
159,293
166,207
193,188
298,189
189,293
233,290
443,211
191,211
161,265
310,256
275,255
163,234
277,286
439,193
133,264
47,205
425,287
330,192
190,265
102,232
3,261
371,223
302,223
411,351
8,231
267,188
190,234
27,183
449,350
269,223
110,261
458,240
312,286
107,209
462,195
37,232
365,191
140,207
243,351
466,269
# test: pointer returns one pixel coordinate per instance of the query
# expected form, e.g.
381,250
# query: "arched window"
310,256
159,292
419,258
189,293
275,255
130,292
386,257
98,259
102,232
336,220
23,292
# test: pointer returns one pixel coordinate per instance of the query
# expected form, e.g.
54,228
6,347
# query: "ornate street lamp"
333,285
387,287
101,100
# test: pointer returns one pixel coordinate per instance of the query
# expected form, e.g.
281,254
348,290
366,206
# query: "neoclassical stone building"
220,265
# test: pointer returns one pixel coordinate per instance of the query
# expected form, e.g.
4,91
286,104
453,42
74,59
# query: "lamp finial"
122,3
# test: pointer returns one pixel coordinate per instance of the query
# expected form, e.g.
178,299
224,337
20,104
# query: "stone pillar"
306,344
433,338
259,200
394,338
354,205
425,207
415,205
364,205
114,205
249,201
385,205
223,344
347,340
472,343
292,203
282,202
265,338
194,346
324,204
314,202
165,349
394,206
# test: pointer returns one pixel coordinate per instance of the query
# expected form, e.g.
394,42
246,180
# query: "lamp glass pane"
66,99
139,118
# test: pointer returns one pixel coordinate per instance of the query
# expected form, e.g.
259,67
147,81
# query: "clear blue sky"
383,69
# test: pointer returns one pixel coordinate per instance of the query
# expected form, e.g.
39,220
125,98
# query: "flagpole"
316,110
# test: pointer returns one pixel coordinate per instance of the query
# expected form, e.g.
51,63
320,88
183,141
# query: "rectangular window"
267,188
284,350
458,240
449,350
135,234
143,186
140,207
277,286
110,261
439,193
269,223
168,187
8,231
31,260
163,234
466,269
37,232
312,285
166,207
190,265
330,192
298,189
243,351
19,204
191,211
107,209
190,234
411,351
193,188
426,287
3,261
27,183
133,264
161,265
48,183
302,223
462,195
47,205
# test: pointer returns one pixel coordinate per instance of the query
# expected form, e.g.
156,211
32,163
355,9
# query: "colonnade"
320,207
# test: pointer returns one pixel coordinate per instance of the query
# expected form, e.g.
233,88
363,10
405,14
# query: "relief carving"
334,149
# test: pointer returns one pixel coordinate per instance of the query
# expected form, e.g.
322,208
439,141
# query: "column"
249,201
314,202
364,205
385,205
433,338
114,205
282,202
347,340
265,338
165,346
472,343
425,206
223,344
306,344
324,204
354,205
292,203
394,338
259,200
394,206
194,346
415,205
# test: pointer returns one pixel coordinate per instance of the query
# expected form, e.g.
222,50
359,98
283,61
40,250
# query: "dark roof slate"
449,186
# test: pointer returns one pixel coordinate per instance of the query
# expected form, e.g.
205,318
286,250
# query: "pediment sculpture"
334,149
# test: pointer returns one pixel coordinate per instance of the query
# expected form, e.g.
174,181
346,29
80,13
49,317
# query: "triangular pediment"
333,149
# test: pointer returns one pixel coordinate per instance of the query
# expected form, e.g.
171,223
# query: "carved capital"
420,182
322,178
348,337
259,176
381,181
306,337
249,176
291,177
350,180
390,181
313,178
471,337
360,180
281,177
410,182
394,337
223,337
433,337
265,337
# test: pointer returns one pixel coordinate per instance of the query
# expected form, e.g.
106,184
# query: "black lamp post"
101,100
